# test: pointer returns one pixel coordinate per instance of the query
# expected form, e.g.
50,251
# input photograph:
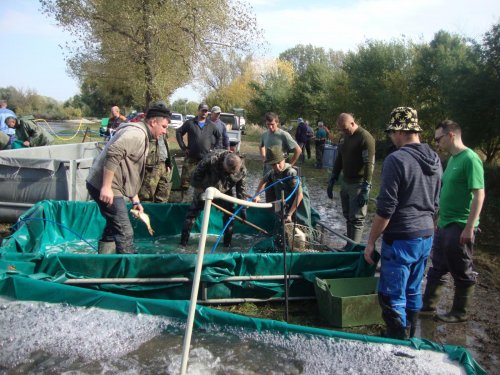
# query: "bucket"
329,155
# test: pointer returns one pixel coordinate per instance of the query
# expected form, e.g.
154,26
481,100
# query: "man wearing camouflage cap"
406,204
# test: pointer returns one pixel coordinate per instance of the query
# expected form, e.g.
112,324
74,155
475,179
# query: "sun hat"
274,155
403,119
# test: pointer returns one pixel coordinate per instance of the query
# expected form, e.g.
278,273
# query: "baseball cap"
158,109
216,109
203,106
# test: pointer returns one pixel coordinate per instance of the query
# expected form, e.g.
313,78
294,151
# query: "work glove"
329,189
363,194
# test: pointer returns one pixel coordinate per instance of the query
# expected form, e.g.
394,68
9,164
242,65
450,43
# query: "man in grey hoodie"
118,172
406,205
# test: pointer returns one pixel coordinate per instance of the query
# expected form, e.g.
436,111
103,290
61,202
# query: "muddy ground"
479,335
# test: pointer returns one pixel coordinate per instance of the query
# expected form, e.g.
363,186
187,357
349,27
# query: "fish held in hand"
144,218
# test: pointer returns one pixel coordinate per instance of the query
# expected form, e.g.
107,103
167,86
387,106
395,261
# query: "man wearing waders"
461,200
355,159
118,172
406,205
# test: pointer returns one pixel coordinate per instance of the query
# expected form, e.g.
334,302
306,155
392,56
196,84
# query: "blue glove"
363,194
329,189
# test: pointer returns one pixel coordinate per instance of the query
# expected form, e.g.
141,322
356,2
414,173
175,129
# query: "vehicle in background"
230,120
240,114
176,120
138,117
189,117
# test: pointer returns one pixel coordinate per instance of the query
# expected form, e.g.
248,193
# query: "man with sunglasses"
406,205
461,200
203,136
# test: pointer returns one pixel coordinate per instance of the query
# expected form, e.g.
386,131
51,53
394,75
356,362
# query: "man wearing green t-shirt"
461,200
355,159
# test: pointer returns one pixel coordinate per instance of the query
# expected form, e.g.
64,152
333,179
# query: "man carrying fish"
118,172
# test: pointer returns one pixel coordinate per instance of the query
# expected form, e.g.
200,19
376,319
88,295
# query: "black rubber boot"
431,298
395,328
411,322
461,301
186,230
106,247
228,236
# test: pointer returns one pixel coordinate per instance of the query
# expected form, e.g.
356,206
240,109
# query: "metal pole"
285,279
196,283
164,280
209,195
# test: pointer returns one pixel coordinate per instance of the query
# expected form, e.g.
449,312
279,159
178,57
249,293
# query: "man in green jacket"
355,159
29,132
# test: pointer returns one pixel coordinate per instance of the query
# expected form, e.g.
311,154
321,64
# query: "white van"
176,120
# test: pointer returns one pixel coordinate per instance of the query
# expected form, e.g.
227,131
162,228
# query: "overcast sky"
32,57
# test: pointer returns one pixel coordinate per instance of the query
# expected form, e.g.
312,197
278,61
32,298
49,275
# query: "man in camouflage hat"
223,170
285,176
406,204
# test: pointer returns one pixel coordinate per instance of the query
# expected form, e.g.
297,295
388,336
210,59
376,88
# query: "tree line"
131,52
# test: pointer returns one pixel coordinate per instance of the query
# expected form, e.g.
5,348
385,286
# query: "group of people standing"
20,132
418,208
421,212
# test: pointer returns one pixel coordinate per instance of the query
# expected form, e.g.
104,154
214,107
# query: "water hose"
257,194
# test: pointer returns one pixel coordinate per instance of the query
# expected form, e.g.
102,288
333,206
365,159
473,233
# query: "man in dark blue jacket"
406,205
203,136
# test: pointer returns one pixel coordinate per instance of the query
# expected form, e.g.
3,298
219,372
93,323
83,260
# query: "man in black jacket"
203,136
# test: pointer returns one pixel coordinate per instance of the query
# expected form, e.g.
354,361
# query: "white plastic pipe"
210,194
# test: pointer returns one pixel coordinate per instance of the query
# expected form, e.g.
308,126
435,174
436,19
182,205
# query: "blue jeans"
402,268
118,228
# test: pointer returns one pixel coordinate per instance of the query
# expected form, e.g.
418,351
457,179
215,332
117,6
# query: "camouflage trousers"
188,168
157,184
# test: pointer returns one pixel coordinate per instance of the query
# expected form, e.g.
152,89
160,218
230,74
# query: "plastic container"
348,302
329,155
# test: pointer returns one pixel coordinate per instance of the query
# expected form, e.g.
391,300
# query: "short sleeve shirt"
463,174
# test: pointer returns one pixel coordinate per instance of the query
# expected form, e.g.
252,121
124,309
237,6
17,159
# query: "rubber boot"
395,328
411,322
228,236
106,247
431,298
461,301
186,230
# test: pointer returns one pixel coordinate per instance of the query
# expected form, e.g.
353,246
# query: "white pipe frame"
209,195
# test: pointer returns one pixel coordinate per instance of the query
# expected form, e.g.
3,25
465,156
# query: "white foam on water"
38,337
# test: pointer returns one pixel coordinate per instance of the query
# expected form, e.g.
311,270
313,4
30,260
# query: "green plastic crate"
348,302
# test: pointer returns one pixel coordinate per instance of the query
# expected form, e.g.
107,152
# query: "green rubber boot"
106,247
431,298
461,301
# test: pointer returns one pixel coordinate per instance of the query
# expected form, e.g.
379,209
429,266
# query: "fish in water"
144,217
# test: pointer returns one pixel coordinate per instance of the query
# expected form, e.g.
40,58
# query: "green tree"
379,77
148,48
301,56
270,91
